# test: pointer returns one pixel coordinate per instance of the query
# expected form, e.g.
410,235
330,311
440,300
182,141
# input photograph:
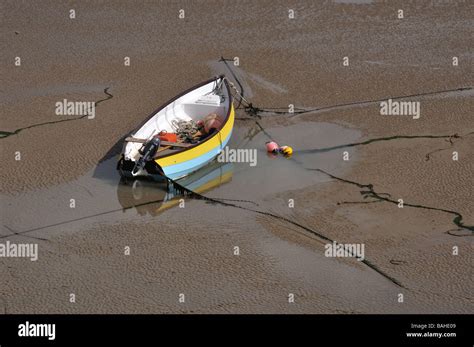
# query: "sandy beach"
47,159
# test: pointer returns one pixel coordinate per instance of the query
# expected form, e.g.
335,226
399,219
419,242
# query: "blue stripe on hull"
183,169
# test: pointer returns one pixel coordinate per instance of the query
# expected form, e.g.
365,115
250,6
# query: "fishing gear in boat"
186,130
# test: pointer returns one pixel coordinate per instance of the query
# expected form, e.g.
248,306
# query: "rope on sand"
188,192
254,111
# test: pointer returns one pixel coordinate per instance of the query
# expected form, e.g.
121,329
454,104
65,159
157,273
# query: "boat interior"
195,105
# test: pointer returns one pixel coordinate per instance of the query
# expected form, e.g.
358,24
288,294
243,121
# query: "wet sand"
190,250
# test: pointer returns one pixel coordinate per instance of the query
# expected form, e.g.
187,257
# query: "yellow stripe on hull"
192,153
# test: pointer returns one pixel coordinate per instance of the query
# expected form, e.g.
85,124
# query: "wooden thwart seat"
164,143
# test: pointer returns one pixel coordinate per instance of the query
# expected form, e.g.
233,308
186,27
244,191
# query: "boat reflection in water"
154,196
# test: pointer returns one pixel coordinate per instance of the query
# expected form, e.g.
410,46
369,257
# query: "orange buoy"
272,147
212,121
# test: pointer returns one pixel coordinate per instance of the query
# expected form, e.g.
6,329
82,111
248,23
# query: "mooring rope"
255,111
186,130
190,193
236,79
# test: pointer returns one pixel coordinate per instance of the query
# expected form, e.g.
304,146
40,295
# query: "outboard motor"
147,152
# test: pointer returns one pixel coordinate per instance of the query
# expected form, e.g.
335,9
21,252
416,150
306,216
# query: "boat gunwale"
154,113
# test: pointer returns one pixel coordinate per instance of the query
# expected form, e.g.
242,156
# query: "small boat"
183,135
